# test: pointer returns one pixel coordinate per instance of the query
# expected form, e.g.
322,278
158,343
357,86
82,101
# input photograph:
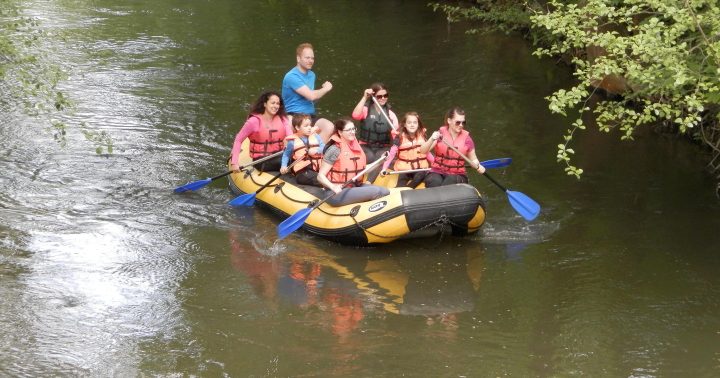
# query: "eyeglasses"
458,123
350,129
380,97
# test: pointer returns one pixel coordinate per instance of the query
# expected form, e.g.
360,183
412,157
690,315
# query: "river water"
106,272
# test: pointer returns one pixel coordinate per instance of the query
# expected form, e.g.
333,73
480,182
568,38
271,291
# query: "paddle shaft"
494,163
250,164
367,169
495,182
471,163
277,176
220,176
467,159
383,112
195,185
266,158
408,171
523,205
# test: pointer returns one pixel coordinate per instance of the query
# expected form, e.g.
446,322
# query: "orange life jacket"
446,160
350,162
268,139
300,150
409,156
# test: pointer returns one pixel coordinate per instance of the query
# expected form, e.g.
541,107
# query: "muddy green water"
104,272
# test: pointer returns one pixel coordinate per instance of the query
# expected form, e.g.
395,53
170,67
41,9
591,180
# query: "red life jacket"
409,156
446,160
300,150
350,162
269,139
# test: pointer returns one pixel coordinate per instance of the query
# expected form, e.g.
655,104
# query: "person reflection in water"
262,271
300,283
347,311
296,280
448,321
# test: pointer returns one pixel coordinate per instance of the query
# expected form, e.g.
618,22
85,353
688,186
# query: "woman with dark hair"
266,126
376,132
448,167
343,159
406,146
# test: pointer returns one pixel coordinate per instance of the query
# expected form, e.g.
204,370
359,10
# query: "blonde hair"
302,47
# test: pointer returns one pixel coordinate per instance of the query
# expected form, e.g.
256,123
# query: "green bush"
665,55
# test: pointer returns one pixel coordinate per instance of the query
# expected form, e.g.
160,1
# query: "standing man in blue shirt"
299,93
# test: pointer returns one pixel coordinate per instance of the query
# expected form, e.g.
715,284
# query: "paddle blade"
524,205
243,200
195,185
293,223
496,163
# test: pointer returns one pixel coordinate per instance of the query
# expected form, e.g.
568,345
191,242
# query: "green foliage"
668,52
503,15
101,139
665,54
25,73
29,77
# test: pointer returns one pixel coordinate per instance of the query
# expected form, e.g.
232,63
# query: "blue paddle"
296,220
195,185
249,199
523,205
496,163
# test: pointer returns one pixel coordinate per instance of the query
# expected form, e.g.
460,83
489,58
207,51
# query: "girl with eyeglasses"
376,130
406,146
448,167
343,158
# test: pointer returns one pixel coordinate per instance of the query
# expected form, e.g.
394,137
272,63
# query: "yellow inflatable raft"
403,213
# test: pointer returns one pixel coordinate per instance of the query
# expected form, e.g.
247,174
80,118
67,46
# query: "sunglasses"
379,97
458,123
350,129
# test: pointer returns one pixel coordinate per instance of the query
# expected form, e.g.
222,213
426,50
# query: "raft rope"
281,189
440,222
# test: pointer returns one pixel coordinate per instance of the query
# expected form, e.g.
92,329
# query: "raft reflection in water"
350,286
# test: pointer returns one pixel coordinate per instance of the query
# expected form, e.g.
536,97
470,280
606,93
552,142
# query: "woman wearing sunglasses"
343,159
375,132
448,167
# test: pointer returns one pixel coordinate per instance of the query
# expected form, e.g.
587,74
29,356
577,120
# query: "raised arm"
430,143
314,95
320,147
394,119
360,111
